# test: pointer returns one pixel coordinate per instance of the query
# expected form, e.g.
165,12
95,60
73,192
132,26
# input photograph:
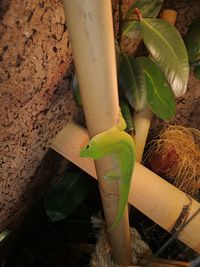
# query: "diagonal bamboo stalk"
91,32
153,196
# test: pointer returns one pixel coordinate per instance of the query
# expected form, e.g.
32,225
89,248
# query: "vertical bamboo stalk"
169,15
142,122
91,32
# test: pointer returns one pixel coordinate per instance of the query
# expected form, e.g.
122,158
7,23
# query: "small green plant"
155,80
192,42
67,195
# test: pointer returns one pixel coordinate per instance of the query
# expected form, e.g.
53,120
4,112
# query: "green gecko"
120,145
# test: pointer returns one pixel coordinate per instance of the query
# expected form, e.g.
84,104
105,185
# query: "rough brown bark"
35,100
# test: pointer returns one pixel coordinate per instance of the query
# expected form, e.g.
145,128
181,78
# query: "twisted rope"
102,256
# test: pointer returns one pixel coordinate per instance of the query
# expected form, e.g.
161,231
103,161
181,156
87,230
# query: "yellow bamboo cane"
91,32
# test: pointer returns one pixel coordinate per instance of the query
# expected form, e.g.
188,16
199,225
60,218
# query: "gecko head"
91,150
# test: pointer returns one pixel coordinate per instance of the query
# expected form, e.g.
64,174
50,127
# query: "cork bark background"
36,100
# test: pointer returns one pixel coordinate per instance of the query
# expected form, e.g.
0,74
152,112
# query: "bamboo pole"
169,15
142,121
91,32
156,198
143,118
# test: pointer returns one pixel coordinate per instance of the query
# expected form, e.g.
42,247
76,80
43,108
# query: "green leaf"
148,8
160,97
130,127
131,29
132,84
67,195
4,234
76,91
192,41
197,72
117,55
168,51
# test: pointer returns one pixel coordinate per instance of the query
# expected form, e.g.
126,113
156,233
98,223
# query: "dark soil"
39,242
41,246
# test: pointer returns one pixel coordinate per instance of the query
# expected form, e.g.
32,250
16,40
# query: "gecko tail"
116,222
117,219
122,207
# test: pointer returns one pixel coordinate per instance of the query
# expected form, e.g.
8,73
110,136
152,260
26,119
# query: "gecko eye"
87,146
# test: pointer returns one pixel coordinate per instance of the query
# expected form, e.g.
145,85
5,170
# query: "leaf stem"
138,13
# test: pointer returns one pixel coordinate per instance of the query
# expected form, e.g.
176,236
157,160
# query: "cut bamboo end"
153,196
169,15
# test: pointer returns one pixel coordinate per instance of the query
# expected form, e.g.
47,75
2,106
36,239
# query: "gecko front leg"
120,145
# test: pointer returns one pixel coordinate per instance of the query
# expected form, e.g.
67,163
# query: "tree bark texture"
35,97
35,100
